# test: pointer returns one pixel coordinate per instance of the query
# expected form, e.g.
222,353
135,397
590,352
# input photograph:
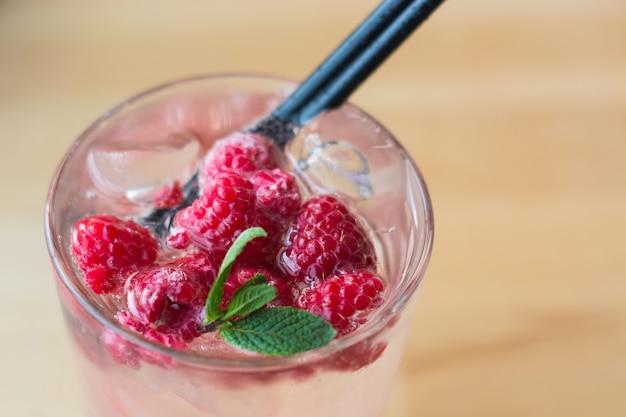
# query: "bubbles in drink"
138,171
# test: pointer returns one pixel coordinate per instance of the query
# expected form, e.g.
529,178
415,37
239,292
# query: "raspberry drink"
284,289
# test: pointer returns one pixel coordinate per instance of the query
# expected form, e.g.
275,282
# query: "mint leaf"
214,299
279,331
250,297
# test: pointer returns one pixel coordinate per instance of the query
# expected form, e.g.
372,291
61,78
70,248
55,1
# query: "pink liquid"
117,390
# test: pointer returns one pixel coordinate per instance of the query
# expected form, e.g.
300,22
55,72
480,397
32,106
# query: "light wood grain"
515,112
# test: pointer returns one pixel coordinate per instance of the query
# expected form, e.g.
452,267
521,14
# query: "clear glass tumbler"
158,136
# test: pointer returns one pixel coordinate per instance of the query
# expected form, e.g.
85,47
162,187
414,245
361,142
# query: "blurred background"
515,112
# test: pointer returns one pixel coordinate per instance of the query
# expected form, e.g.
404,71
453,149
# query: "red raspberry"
324,238
276,205
220,214
231,204
204,265
243,187
120,349
344,299
166,300
168,196
242,274
172,340
179,239
277,193
356,356
243,153
125,352
107,249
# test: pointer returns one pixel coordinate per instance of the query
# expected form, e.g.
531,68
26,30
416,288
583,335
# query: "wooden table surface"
514,110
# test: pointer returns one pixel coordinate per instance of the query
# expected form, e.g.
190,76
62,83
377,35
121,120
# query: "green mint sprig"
247,323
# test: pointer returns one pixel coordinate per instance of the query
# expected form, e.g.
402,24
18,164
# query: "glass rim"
380,319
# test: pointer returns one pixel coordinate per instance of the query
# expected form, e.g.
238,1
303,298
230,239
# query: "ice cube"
136,171
336,165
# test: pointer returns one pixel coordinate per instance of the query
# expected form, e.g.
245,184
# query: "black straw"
329,85
355,59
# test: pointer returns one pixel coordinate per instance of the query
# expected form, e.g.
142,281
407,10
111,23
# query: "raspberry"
276,205
204,265
179,239
220,214
241,274
356,356
165,301
242,153
277,193
120,349
324,238
344,299
242,187
127,353
168,196
230,204
107,249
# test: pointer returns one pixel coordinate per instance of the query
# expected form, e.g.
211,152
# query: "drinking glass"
159,136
